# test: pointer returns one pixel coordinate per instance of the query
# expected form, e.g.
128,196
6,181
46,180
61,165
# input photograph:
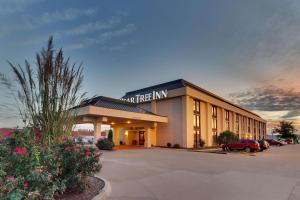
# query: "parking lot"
150,174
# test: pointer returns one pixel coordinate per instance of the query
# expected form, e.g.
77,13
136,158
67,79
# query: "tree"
227,137
110,135
46,94
286,129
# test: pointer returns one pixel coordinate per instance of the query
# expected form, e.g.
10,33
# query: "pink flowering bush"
30,169
78,162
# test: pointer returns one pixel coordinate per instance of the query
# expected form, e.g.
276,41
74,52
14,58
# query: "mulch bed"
95,185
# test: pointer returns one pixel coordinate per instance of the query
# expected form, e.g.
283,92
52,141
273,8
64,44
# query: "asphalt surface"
163,174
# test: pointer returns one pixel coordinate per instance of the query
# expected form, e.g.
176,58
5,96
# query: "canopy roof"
109,110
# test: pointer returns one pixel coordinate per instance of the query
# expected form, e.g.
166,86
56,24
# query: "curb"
105,192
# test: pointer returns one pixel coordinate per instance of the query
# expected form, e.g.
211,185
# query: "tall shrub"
110,135
47,92
228,137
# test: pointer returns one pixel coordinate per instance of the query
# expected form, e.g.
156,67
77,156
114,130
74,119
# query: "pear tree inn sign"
140,98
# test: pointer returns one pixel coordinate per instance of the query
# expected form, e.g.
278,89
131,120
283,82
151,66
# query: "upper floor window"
244,124
237,123
196,113
249,125
214,124
196,106
227,119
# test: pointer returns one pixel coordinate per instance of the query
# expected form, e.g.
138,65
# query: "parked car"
286,141
263,144
289,141
246,145
87,139
275,142
283,141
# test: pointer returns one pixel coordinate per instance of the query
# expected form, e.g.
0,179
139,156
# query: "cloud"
93,27
28,23
271,98
122,13
121,46
293,114
104,38
82,29
66,15
8,7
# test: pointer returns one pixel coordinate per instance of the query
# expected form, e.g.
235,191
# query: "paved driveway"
164,174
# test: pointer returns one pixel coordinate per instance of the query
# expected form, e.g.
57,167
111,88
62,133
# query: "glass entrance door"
141,137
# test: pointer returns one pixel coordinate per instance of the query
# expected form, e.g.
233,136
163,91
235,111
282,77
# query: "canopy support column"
97,130
147,138
116,136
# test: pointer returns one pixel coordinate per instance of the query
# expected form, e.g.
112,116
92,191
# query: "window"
249,125
263,130
214,124
254,128
244,127
227,120
259,129
237,123
197,133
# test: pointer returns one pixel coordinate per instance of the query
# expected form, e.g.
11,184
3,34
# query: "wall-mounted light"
128,122
126,133
112,123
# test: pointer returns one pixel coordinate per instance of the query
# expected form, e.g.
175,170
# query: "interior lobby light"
128,122
112,123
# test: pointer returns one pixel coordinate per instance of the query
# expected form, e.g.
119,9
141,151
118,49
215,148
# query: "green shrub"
176,146
105,144
110,135
227,137
201,143
169,145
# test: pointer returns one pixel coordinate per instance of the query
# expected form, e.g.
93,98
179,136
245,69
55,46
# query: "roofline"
218,97
187,83
119,101
148,88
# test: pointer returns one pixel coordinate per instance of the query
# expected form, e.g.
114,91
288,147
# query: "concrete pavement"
163,174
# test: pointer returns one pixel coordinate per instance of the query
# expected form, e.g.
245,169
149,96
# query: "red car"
246,145
289,141
274,142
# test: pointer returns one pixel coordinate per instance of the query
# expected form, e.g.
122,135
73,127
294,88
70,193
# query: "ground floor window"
197,139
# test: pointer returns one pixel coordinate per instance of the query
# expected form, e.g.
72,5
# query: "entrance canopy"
113,111
117,113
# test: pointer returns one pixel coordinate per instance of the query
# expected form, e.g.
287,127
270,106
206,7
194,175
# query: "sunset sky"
245,51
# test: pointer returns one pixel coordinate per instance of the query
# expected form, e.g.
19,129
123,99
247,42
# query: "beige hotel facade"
176,112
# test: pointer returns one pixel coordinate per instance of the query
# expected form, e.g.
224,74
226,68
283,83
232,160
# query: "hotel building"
176,112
